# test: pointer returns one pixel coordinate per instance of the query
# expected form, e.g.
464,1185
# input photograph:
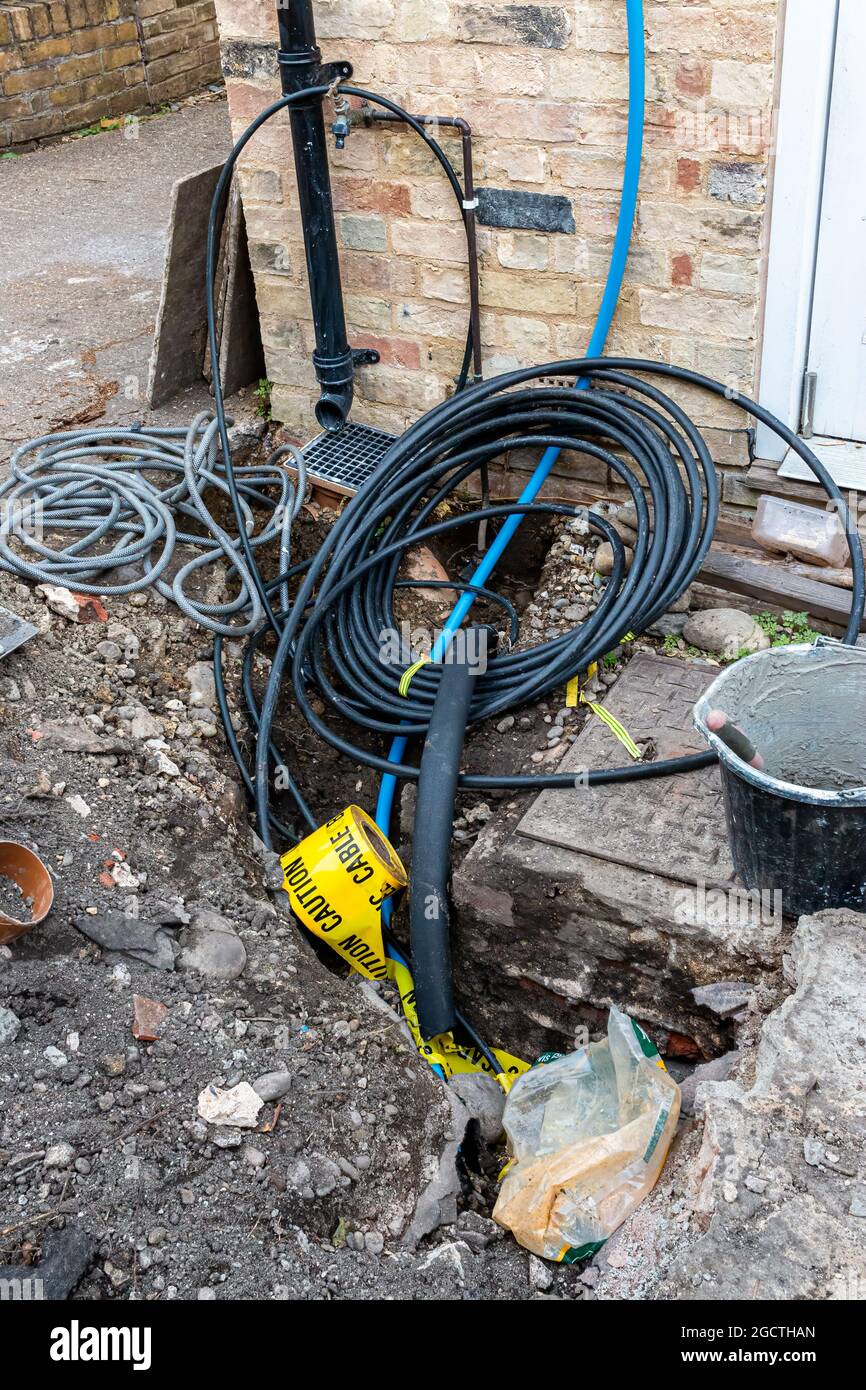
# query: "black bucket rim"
790,791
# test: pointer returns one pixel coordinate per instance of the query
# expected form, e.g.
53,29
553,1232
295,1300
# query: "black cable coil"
332,633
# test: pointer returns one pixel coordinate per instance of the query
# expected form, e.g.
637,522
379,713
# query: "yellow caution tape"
409,673
337,880
444,1051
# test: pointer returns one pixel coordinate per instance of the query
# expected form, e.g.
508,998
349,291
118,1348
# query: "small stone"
148,1015
238,1106
145,726
254,1157
858,1204
725,997
10,1026
813,1152
272,1085
55,1056
109,652
604,558
540,1274
60,601
202,686
374,1242
755,1184
505,724
161,763
212,947
59,1156
725,632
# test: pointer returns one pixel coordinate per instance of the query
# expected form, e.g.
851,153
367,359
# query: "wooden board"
775,584
763,478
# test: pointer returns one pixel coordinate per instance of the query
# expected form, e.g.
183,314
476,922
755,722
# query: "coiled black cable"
334,631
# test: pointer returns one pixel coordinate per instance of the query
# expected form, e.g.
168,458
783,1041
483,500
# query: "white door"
837,341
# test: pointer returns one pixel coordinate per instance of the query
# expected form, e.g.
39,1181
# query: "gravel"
100,1140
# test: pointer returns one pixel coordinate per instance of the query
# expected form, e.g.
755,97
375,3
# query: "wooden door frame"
805,90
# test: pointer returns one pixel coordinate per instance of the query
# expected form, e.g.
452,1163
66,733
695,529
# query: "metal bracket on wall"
310,73
364,357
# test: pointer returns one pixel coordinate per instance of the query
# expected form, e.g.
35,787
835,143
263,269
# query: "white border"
804,106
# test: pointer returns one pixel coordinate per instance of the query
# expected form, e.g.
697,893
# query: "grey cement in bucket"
798,825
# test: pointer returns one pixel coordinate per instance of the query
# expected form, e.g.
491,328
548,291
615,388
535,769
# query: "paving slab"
653,701
620,895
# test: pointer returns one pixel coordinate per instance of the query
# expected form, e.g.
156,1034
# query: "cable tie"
470,206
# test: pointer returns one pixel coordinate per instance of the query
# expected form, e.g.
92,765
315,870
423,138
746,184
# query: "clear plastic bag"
589,1134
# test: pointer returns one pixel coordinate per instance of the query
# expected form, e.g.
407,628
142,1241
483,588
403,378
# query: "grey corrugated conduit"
119,492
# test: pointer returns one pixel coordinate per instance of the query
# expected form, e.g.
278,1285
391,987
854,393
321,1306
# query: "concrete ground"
81,260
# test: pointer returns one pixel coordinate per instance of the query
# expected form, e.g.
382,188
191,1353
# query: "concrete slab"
654,701
614,896
181,325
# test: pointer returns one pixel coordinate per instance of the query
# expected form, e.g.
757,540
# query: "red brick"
365,195
40,20
682,269
396,352
29,81
693,77
46,49
688,175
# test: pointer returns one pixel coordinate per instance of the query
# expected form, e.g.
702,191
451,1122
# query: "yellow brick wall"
66,64
545,89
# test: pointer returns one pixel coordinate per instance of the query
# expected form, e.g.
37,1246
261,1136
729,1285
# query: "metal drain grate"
344,460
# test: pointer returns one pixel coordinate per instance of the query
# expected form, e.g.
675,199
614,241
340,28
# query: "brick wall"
544,86
67,63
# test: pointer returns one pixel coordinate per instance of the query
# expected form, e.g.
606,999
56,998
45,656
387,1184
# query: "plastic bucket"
798,827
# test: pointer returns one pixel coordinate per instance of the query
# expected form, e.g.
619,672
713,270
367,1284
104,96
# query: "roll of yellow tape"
337,880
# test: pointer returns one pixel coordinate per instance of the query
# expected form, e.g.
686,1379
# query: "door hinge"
807,406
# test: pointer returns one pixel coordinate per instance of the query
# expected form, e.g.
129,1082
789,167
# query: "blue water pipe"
610,299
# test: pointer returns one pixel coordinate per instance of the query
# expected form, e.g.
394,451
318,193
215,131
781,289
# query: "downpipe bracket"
300,70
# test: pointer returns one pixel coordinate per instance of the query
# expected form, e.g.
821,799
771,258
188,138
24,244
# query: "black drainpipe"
301,66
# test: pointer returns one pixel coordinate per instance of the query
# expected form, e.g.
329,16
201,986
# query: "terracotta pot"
25,868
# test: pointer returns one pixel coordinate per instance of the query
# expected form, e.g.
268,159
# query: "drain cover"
345,459
13,631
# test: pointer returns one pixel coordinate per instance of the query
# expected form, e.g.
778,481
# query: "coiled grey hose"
121,493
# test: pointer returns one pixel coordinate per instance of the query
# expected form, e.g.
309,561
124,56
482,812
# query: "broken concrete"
576,906
764,1201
